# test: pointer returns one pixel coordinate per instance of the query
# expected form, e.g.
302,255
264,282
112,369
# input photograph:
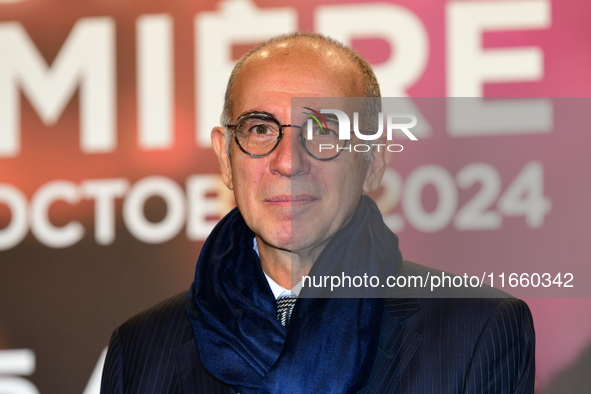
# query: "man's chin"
277,240
288,242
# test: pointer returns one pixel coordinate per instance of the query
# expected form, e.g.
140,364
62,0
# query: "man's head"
291,200
371,88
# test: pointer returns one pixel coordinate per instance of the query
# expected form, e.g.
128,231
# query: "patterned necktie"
285,305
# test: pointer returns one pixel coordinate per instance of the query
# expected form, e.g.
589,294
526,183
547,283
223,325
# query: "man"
299,211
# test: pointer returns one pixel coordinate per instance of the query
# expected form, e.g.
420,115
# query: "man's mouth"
290,200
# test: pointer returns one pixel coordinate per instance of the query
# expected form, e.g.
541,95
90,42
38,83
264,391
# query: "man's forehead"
295,71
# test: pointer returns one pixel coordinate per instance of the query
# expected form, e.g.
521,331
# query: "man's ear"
218,140
379,162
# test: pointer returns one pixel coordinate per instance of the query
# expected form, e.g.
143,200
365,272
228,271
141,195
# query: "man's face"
289,199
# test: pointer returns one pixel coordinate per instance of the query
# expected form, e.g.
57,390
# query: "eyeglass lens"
258,135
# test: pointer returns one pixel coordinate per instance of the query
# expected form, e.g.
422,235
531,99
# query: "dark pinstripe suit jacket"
453,345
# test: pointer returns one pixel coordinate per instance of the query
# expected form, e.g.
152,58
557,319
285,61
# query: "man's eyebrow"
331,117
255,112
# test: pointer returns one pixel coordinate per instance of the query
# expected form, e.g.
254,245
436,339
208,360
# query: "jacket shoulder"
165,324
145,351
477,340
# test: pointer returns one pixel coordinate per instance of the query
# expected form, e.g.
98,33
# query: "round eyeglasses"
259,134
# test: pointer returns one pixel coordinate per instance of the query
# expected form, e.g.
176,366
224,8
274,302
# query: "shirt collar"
276,288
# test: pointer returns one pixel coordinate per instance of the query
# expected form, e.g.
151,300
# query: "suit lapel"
193,378
397,347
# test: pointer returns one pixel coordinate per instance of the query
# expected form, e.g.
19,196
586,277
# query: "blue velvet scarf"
331,343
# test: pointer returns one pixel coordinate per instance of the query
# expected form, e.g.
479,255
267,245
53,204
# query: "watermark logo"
320,121
339,119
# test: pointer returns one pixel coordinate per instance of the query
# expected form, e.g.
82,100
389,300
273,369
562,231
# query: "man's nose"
289,158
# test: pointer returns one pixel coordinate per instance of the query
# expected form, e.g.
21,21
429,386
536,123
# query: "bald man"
241,328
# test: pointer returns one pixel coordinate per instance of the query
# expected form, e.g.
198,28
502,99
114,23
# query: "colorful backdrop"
108,184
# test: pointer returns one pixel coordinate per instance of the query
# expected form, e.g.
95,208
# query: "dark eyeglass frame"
265,116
